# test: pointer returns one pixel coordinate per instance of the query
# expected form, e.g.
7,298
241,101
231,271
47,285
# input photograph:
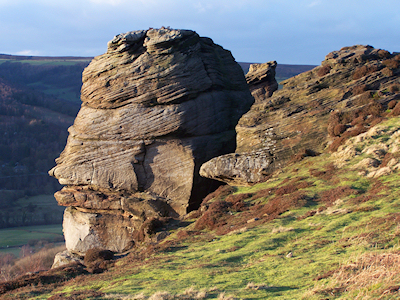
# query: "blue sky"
288,31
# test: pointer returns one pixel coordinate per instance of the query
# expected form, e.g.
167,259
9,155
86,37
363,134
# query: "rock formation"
349,92
155,107
261,80
231,167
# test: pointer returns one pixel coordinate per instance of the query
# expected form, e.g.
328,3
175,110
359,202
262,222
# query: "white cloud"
202,8
314,3
28,52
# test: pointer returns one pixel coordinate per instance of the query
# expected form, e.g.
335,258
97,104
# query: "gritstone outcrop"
155,107
343,97
261,80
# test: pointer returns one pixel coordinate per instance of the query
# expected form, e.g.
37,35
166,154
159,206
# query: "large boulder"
344,96
155,107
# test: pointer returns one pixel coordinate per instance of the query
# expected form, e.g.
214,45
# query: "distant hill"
38,102
44,58
59,77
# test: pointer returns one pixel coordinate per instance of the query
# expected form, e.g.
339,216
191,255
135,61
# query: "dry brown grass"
233,213
368,112
237,201
98,260
189,294
42,260
384,54
52,277
330,196
388,72
396,110
323,70
78,295
219,193
214,217
303,154
364,70
362,273
292,187
327,174
394,88
339,129
149,227
392,104
280,204
359,89
263,193
391,63
224,296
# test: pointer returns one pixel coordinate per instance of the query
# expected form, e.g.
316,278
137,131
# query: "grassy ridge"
339,240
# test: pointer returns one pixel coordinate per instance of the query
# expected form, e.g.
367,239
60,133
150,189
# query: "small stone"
252,220
383,172
66,257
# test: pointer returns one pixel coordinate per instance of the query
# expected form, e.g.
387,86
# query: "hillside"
311,214
33,132
316,230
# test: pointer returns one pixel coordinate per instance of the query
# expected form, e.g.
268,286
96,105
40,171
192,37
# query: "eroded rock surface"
346,95
261,80
155,107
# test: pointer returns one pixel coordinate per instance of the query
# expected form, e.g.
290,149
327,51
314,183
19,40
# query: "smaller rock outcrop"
378,148
261,80
352,90
242,168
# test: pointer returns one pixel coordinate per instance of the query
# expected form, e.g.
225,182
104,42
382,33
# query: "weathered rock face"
156,106
261,80
319,108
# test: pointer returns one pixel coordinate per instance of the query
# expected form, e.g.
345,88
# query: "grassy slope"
346,235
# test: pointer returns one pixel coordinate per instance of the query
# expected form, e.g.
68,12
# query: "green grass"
337,237
11,239
319,244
